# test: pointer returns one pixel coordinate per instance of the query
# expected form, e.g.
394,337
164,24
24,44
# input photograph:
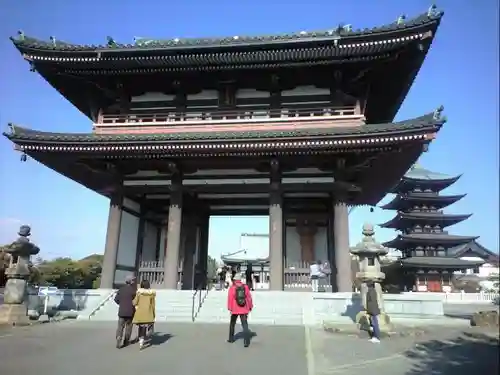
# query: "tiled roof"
439,201
416,172
403,240
24,135
443,262
400,26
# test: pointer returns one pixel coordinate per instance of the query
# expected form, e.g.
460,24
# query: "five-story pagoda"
297,127
426,263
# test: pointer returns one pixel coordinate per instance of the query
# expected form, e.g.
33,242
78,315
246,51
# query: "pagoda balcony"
242,119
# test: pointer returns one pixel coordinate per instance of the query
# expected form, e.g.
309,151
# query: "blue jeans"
375,326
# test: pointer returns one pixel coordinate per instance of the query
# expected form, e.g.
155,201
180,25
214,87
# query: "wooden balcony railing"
218,116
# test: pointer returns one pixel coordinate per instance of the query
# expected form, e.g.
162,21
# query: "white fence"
462,297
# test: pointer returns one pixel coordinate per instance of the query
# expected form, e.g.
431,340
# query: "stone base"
355,331
15,314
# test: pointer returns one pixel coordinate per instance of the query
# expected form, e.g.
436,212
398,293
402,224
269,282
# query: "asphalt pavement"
82,348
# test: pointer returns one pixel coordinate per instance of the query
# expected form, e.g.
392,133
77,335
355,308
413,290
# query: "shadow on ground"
466,354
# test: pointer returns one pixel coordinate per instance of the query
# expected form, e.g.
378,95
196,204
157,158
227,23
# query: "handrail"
190,114
201,299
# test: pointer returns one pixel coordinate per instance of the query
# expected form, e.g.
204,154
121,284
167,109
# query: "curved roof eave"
401,216
427,21
420,125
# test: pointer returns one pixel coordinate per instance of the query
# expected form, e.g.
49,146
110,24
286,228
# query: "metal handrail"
201,299
215,114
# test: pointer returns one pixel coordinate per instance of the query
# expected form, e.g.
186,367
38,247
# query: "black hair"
145,284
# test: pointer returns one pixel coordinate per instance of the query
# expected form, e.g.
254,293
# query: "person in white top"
315,274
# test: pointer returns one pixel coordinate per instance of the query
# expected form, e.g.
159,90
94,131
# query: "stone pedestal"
14,314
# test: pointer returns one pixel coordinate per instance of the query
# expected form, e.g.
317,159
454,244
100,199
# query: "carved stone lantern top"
22,247
368,245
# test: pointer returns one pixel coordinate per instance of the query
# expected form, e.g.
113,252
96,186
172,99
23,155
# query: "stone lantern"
368,252
14,310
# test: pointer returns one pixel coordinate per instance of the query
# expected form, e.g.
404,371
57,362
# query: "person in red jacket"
239,304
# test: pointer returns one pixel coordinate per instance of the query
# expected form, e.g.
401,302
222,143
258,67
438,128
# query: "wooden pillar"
174,226
275,230
307,231
112,242
342,254
203,247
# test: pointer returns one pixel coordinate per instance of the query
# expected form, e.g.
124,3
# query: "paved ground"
80,348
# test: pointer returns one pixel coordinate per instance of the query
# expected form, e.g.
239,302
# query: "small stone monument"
368,252
14,309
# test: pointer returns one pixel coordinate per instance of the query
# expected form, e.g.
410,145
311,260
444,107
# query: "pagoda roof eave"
407,183
443,200
430,217
439,262
402,241
364,135
339,36
475,247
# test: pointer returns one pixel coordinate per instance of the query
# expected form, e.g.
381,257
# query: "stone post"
14,310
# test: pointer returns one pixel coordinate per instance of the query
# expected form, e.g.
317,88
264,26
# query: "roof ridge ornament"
433,11
437,115
20,35
53,40
401,19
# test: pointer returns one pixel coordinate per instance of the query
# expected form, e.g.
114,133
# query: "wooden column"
203,246
307,231
275,230
112,242
342,254
171,264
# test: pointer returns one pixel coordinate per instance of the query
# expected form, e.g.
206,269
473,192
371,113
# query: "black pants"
124,329
244,324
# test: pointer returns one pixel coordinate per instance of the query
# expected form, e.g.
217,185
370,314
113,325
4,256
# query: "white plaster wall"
203,95
321,244
292,240
131,205
254,247
305,90
149,242
152,97
485,270
293,249
252,93
127,245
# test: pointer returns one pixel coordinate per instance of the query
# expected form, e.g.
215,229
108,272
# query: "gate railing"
297,276
154,272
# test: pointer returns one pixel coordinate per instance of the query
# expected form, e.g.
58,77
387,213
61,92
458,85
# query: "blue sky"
460,72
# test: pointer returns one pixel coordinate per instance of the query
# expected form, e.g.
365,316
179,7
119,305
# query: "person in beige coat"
145,310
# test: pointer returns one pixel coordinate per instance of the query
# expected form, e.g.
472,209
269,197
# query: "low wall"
82,302
345,307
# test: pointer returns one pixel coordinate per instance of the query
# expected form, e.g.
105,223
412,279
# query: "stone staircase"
171,306
270,308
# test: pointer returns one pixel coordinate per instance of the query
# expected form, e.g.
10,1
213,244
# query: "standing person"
239,304
326,271
315,274
221,272
249,276
373,310
124,299
145,311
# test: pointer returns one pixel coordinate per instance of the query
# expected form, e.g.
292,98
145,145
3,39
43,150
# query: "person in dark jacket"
124,299
373,310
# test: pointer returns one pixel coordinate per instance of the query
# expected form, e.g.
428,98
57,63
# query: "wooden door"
434,286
